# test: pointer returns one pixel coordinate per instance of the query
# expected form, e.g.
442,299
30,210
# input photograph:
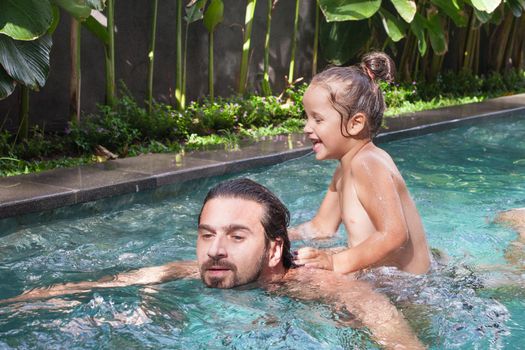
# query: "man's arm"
374,310
143,276
327,219
388,326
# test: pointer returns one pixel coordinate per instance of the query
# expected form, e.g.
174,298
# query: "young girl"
345,106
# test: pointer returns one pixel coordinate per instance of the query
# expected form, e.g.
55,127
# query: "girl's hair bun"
379,66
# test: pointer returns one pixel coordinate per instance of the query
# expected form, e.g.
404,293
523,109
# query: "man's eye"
206,235
237,238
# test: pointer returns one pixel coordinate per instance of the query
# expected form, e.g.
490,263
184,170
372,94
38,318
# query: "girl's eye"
318,120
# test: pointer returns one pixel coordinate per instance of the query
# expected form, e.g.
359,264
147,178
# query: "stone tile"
153,164
263,153
501,105
279,144
94,181
187,174
169,168
19,196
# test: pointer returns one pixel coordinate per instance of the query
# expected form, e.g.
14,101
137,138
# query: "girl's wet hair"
354,89
276,216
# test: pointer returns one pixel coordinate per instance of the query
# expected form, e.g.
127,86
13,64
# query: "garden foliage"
130,129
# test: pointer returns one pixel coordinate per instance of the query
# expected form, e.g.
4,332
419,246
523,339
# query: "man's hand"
316,258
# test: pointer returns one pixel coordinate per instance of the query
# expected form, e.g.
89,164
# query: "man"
242,238
515,218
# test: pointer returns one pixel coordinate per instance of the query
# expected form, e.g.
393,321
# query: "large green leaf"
485,5
516,6
213,15
26,61
97,25
348,10
96,4
418,28
483,16
80,9
437,35
25,19
195,11
341,41
394,27
7,84
497,16
405,8
76,8
453,10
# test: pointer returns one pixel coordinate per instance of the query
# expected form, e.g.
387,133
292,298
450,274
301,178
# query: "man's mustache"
218,263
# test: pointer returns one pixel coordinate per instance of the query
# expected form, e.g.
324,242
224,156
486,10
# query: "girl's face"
323,126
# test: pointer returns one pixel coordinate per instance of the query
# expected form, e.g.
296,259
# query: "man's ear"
356,124
275,252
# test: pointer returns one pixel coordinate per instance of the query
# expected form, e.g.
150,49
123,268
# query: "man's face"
231,247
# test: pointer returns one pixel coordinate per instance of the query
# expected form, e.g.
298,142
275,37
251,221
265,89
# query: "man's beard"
232,279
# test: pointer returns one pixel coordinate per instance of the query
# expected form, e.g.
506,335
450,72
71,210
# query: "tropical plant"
419,35
26,27
194,12
212,17
266,87
111,87
151,54
294,43
76,73
316,39
248,23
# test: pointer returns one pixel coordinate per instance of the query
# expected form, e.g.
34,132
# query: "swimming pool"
459,179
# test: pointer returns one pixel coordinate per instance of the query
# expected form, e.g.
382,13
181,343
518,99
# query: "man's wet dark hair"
276,217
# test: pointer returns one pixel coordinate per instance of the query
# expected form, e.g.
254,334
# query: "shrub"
106,128
212,117
494,83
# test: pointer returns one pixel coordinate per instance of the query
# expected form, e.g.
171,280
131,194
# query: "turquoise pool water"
459,179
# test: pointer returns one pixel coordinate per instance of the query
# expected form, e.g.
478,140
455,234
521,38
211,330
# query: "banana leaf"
27,62
394,27
213,15
7,84
437,35
487,6
453,10
348,10
25,19
417,26
405,8
341,41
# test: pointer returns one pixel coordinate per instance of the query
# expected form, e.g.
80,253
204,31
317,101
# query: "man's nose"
217,248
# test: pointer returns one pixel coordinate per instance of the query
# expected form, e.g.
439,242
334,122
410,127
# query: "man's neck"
273,274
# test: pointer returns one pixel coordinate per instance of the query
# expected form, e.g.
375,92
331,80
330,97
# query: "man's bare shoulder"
514,218
317,281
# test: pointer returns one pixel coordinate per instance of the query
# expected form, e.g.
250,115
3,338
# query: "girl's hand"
311,257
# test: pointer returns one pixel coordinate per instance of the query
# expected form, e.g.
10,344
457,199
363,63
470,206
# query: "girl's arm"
326,221
378,194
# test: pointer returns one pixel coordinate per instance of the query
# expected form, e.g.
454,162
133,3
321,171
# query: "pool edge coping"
130,181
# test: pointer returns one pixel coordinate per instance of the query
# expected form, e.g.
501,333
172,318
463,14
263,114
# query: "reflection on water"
460,179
